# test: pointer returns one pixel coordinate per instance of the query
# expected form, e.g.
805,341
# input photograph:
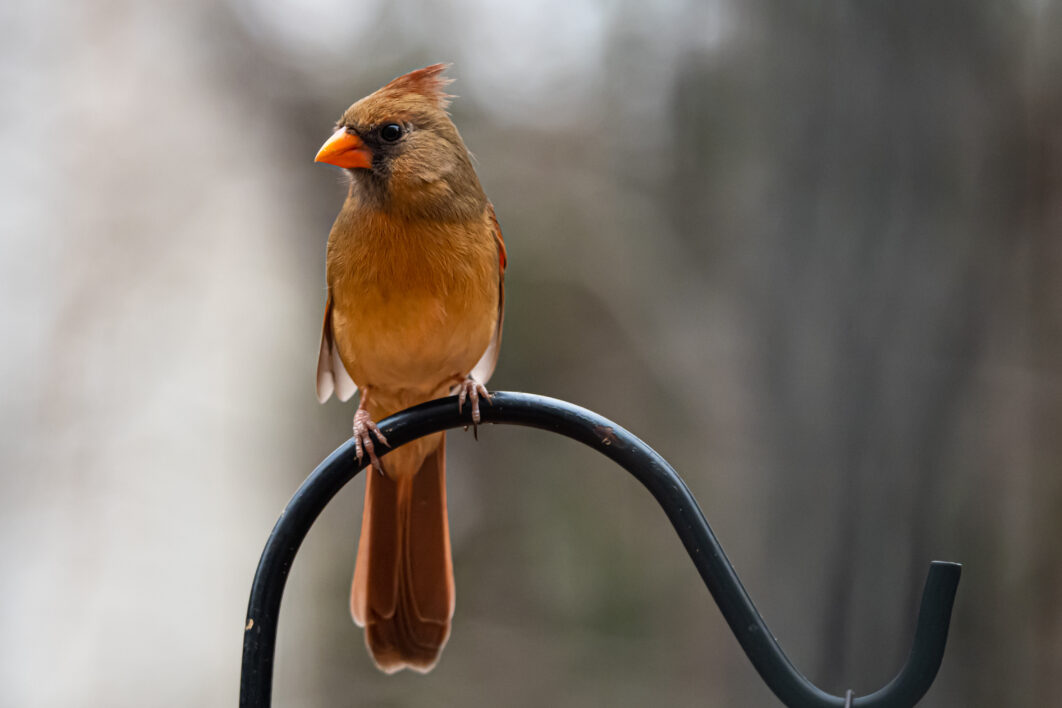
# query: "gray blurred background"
810,251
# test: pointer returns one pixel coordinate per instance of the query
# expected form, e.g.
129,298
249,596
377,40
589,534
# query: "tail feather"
403,590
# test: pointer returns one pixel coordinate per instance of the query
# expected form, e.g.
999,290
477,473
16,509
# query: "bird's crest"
427,82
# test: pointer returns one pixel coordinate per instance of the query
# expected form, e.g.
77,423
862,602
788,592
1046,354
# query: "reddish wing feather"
503,259
332,375
485,366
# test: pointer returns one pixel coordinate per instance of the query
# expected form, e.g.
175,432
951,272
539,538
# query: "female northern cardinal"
414,311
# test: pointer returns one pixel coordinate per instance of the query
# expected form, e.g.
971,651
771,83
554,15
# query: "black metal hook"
791,686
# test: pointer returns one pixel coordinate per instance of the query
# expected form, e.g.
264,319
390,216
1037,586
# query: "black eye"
391,132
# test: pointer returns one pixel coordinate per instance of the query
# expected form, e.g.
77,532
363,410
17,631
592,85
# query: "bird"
415,268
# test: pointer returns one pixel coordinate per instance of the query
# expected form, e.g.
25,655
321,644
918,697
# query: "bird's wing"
331,374
485,366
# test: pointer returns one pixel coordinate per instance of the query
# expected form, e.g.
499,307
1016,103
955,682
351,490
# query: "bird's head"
403,151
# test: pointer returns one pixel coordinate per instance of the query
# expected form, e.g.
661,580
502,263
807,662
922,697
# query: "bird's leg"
469,389
364,429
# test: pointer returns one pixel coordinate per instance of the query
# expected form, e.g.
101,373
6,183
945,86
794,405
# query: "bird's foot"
471,390
364,430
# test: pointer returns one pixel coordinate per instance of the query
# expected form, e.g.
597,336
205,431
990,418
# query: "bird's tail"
403,590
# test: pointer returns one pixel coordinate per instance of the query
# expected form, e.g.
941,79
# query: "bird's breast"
413,307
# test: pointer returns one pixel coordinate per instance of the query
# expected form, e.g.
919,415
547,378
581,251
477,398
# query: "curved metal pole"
791,686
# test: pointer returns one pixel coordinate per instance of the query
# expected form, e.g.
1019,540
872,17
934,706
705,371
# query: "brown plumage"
415,266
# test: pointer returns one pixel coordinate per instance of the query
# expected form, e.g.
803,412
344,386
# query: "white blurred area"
809,252
154,356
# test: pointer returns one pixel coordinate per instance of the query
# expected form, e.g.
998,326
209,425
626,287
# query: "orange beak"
344,149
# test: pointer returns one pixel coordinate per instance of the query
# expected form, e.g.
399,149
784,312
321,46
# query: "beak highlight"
344,149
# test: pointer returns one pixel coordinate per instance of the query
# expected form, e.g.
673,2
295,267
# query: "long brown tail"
403,590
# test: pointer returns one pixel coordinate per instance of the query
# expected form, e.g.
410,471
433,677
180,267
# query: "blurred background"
810,251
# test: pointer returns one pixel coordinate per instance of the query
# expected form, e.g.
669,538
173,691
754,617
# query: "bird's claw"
364,430
470,389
